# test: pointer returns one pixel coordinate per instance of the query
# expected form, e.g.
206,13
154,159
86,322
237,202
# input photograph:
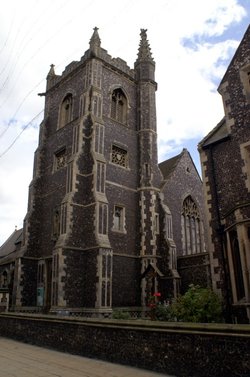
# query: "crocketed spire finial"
144,52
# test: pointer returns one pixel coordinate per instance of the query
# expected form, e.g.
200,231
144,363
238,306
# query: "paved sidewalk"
23,360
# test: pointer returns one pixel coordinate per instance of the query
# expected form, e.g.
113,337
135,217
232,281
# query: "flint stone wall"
179,349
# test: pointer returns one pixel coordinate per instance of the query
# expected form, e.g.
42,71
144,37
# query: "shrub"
198,305
163,313
120,314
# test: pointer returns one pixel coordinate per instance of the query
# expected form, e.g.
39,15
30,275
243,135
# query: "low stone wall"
179,349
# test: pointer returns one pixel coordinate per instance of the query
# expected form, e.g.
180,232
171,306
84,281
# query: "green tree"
198,305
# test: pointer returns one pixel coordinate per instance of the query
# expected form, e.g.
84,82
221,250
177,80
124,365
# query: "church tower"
97,234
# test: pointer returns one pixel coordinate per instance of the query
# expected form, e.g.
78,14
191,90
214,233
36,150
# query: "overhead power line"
19,107
36,52
8,33
18,136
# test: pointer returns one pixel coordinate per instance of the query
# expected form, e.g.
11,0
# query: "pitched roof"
169,165
10,245
244,41
218,133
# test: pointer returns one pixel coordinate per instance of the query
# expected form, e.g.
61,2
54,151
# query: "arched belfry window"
66,110
191,227
119,106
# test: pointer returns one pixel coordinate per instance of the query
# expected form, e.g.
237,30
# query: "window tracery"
66,110
119,219
60,159
191,227
119,106
119,156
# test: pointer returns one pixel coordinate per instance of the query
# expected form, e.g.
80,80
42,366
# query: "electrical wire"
22,47
8,35
90,3
36,52
19,107
18,136
22,22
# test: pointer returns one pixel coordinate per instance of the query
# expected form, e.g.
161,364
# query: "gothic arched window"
56,224
66,110
191,227
5,279
119,106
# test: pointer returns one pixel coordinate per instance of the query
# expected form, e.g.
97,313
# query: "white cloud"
192,104
187,43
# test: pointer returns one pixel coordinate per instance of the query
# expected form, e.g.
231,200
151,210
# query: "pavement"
24,360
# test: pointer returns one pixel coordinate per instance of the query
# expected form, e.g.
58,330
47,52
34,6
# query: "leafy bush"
198,305
120,314
163,313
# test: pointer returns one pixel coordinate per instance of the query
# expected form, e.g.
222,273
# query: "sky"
192,43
